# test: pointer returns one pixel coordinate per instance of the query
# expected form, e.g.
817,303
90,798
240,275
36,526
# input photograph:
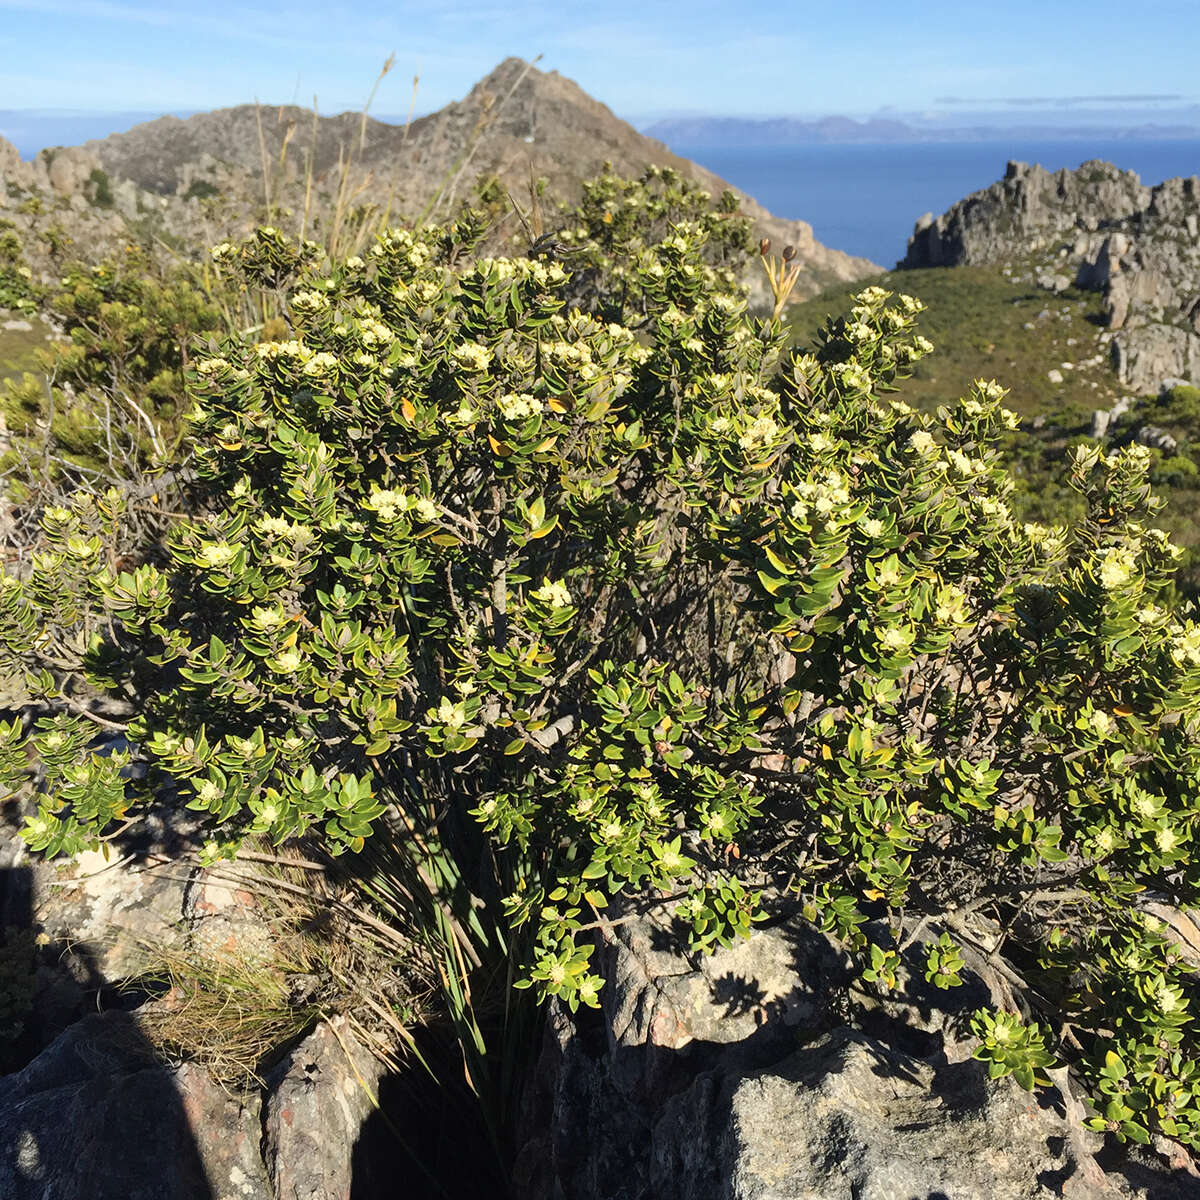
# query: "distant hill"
777,131
516,123
792,131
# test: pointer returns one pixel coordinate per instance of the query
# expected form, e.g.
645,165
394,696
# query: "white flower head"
216,554
387,503
923,443
1116,567
761,432
517,406
449,713
554,594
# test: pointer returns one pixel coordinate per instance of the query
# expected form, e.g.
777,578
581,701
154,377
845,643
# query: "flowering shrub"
671,609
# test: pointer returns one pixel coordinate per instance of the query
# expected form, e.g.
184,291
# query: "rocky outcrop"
96,1115
316,1104
761,1074
1102,229
62,206
1030,209
1145,355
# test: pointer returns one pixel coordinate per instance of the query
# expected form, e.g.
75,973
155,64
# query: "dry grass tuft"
235,1011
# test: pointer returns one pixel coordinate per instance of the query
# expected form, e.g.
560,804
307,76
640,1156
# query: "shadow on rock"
94,1113
428,1139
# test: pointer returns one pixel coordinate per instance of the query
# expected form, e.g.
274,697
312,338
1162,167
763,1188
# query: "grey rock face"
1027,210
1135,244
1147,355
851,1116
96,1104
96,1115
739,1078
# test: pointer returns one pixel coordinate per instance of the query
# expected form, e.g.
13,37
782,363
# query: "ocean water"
865,198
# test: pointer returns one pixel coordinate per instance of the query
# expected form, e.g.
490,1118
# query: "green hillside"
983,322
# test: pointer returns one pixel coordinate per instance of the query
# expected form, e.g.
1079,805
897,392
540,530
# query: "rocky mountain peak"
516,123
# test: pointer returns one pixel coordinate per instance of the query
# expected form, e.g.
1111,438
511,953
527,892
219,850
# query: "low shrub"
670,609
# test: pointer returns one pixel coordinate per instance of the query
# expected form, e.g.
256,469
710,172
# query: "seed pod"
764,247
789,252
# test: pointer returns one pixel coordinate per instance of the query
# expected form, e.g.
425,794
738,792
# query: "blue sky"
641,57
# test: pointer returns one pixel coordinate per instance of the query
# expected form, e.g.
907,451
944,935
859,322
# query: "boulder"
96,1115
852,1116
14,172
1151,353
1156,439
66,169
318,1100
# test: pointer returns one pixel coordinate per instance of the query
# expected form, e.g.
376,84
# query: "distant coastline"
34,130
733,132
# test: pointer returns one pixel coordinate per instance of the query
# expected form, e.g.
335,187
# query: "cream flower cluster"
321,364
309,302
281,527
1185,646
472,356
1047,540
389,503
824,494
851,375
760,433
517,406
1115,567
553,593
273,351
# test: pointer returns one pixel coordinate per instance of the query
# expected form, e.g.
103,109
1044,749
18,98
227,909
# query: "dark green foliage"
99,188
201,189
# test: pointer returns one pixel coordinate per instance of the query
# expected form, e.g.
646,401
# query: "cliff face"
516,123
1099,228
